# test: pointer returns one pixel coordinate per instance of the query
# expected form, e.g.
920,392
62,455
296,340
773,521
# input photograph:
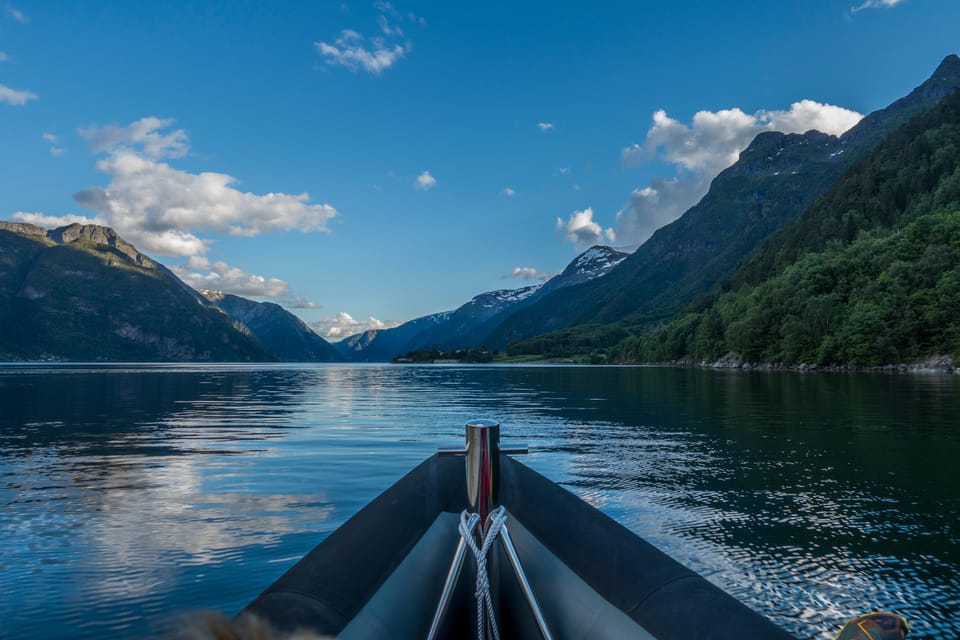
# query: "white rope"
486,621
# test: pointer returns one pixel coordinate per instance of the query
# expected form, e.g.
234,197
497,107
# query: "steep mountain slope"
469,324
776,178
282,334
869,275
83,293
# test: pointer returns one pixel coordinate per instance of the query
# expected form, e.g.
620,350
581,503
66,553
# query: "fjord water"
134,494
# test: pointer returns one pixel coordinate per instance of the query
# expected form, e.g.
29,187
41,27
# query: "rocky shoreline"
933,364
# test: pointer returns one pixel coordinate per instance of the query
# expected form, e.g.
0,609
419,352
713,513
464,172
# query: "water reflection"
133,492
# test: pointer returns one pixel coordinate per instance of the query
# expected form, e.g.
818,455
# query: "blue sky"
367,163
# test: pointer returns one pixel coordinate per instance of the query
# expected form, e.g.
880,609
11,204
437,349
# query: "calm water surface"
131,494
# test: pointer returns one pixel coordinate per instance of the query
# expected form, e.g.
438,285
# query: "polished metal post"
483,467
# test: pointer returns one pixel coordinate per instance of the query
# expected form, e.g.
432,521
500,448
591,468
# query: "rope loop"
486,621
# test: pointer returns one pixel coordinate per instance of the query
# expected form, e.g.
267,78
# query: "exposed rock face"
100,235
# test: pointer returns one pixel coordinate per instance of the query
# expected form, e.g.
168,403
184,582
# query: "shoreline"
929,366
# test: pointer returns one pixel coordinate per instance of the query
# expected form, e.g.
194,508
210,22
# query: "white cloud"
545,126
15,97
201,273
347,51
54,150
3,56
16,14
387,29
52,222
144,134
507,191
343,325
700,150
529,273
876,4
564,170
425,181
582,230
162,209
296,302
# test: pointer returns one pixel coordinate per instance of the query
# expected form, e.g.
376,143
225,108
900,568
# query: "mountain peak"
949,67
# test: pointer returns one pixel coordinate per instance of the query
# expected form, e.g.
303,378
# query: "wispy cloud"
876,4
581,229
528,273
53,140
545,126
374,54
356,53
425,181
15,14
343,325
3,56
700,150
15,97
507,191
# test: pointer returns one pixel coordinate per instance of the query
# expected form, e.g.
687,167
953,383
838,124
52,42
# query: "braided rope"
486,621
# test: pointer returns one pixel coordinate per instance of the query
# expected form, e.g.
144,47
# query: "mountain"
471,323
81,292
380,345
776,178
282,334
870,275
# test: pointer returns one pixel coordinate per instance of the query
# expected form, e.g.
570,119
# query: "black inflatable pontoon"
383,573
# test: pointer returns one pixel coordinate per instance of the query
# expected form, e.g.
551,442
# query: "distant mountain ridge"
470,324
283,335
776,178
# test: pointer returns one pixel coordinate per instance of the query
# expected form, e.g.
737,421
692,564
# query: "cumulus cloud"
875,4
582,230
545,126
52,222
16,15
343,325
201,273
529,273
15,97
507,191
425,181
715,138
145,135
703,148
162,209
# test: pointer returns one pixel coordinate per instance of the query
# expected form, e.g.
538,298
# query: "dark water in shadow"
129,494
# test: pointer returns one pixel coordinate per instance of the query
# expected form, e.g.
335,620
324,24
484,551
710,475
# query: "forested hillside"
869,275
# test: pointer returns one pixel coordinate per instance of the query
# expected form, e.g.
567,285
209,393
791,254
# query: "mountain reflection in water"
132,493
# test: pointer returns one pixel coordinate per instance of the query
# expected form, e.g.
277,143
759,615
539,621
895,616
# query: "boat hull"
381,573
